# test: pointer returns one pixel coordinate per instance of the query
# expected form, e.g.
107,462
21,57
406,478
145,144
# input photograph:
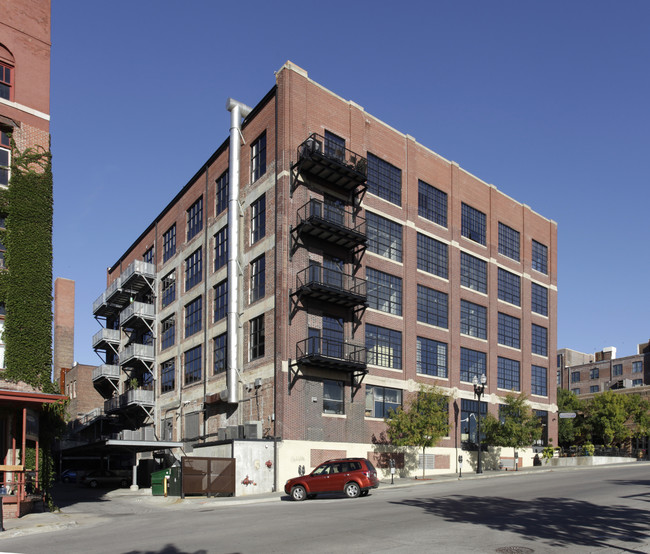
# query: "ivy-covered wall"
26,286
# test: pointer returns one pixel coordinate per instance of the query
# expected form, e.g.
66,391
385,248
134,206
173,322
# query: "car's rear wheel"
298,493
93,484
352,489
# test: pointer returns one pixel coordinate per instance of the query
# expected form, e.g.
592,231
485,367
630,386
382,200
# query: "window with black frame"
380,401
468,423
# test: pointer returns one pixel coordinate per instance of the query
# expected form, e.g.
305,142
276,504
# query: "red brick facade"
288,399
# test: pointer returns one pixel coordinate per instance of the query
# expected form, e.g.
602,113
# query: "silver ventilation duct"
237,112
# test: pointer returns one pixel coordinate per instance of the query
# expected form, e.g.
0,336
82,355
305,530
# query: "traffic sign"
567,415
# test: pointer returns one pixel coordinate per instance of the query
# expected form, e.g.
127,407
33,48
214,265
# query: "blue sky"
548,101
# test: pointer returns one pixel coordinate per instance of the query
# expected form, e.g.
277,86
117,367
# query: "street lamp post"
479,389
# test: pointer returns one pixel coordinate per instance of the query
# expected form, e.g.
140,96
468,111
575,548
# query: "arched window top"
6,73
5,55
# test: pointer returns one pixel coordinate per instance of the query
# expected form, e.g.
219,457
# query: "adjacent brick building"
589,374
362,263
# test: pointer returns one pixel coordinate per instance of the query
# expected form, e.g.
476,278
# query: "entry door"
334,210
333,272
333,336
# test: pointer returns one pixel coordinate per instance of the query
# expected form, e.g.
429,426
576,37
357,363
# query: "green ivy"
26,288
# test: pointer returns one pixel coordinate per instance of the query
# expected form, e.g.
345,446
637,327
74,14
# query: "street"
603,509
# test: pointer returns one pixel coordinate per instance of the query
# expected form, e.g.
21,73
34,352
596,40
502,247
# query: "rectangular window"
637,382
473,272
334,147
220,354
384,180
540,257
5,81
509,286
193,365
538,377
432,307
256,337
5,159
222,193
539,340
258,278
258,157
432,203
167,332
193,316
575,377
508,374
432,358
168,289
472,224
194,269
168,376
637,367
473,319
384,346
221,248
509,331
195,219
432,256
472,364
508,242
384,291
380,401
594,388
220,301
148,256
258,219
618,369
575,391
333,402
539,299
384,236
593,373
169,243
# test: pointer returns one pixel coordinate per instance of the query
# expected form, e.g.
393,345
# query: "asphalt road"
599,509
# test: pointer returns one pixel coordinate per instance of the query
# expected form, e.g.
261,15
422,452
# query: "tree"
609,416
639,408
423,423
570,430
516,427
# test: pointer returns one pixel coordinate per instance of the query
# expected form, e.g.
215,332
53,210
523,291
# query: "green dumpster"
158,482
174,484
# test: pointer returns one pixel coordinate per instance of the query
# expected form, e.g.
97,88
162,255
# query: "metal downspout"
237,112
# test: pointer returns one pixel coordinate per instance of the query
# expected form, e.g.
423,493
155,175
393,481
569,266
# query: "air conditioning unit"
232,432
253,430
221,434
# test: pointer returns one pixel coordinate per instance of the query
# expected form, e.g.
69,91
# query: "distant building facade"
588,374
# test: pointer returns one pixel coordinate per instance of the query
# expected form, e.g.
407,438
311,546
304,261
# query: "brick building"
347,265
589,374
24,116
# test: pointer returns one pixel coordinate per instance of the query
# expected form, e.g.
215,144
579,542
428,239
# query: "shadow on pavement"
168,549
562,522
69,494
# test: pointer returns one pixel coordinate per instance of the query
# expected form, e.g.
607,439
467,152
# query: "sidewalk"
72,517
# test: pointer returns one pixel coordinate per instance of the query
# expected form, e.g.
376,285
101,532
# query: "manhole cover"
514,550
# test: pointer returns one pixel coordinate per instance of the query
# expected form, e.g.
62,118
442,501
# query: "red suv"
351,476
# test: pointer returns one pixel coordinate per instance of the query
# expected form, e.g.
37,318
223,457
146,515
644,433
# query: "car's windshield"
321,470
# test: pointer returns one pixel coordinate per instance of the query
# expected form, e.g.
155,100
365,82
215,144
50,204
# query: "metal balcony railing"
138,397
138,310
104,337
331,353
106,371
137,270
332,162
142,352
336,224
112,404
331,285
